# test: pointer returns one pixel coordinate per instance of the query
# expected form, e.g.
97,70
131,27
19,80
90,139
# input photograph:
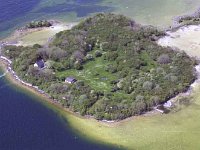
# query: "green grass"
93,74
96,76
150,63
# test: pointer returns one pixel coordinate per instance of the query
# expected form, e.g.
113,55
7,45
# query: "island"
108,67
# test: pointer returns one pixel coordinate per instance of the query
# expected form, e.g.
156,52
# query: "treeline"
145,74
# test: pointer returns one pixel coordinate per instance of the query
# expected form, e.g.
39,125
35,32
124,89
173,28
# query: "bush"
139,98
78,66
98,53
89,57
148,85
164,59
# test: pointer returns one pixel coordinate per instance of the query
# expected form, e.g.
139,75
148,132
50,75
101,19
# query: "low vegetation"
38,24
120,69
192,19
189,21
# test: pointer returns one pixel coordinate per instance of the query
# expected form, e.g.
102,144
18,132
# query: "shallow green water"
154,12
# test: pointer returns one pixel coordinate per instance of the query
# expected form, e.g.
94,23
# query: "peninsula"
107,66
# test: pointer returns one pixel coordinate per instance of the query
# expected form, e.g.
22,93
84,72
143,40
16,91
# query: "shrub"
98,53
89,57
78,65
148,85
139,98
164,59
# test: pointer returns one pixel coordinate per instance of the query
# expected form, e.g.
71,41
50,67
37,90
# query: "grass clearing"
94,74
39,37
42,36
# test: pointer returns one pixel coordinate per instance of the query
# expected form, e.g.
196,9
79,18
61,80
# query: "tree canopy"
120,69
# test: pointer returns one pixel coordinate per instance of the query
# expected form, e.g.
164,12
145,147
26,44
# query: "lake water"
15,13
26,124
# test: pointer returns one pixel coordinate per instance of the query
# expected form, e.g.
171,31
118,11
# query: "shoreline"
16,38
11,76
176,24
5,65
175,38
18,82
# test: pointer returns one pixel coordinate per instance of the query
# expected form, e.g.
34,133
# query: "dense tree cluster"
144,74
38,24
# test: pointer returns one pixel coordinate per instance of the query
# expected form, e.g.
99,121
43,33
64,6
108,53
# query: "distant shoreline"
176,24
18,34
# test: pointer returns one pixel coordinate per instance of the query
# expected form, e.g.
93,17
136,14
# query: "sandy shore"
186,38
27,37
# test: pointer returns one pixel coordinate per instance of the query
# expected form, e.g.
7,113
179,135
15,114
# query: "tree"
79,56
58,66
139,106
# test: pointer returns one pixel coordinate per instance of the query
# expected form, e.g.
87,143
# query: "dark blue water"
26,124
10,10
16,13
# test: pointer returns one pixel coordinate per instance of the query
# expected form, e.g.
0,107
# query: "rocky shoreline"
156,110
13,74
176,20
